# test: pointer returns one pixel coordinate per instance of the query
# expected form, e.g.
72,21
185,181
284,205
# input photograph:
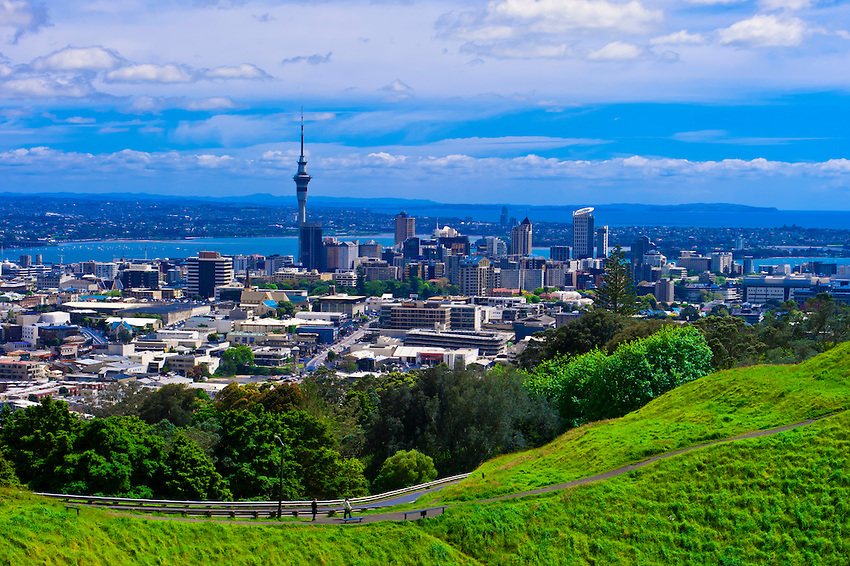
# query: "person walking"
314,507
347,506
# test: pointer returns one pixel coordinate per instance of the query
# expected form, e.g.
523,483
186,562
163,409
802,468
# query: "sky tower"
301,181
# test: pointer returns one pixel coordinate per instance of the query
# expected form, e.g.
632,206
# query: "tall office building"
583,233
521,238
602,242
206,272
405,227
560,253
639,249
503,219
310,239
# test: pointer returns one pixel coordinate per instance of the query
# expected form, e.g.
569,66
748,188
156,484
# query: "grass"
38,531
720,405
781,499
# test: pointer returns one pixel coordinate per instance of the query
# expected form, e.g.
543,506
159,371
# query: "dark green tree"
235,360
617,293
593,330
733,342
173,402
403,469
37,439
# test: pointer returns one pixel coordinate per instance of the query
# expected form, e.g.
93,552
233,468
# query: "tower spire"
301,180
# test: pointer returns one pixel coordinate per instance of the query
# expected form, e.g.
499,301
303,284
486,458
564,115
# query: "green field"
783,499
720,405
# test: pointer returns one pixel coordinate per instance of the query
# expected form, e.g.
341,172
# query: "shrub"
405,468
594,386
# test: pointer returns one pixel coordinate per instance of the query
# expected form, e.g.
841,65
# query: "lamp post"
280,482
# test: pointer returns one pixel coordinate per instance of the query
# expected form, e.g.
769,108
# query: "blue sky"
514,101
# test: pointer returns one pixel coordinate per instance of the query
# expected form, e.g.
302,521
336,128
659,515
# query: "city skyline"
593,101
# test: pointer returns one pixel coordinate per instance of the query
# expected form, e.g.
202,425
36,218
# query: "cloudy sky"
506,101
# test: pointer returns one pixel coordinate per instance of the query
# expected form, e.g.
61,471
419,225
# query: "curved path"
400,516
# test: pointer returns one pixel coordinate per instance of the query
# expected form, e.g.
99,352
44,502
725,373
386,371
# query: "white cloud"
713,2
173,73
315,59
766,31
785,4
679,38
148,73
22,15
147,104
243,71
616,51
519,50
212,103
45,87
541,28
78,59
398,91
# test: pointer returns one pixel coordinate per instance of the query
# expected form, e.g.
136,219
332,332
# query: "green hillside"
781,499
38,531
720,405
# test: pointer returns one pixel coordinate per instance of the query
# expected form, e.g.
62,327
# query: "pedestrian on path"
314,507
347,506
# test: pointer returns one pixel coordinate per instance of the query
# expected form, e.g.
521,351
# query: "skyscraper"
583,233
405,227
504,218
521,238
310,240
602,242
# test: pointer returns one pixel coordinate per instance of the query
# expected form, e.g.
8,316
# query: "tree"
286,309
732,341
595,386
199,372
189,474
593,330
827,322
173,402
235,360
403,469
616,293
37,439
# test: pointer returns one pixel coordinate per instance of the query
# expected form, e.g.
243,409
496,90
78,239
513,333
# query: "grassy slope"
38,531
717,406
773,500
782,499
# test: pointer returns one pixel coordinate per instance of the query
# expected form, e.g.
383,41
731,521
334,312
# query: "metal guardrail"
249,506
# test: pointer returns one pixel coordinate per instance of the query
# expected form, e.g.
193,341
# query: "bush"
595,386
403,469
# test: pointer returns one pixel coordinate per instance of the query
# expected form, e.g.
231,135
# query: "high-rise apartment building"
602,242
583,233
206,272
475,276
521,238
405,227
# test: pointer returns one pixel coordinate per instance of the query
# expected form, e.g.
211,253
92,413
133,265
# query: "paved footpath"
399,516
